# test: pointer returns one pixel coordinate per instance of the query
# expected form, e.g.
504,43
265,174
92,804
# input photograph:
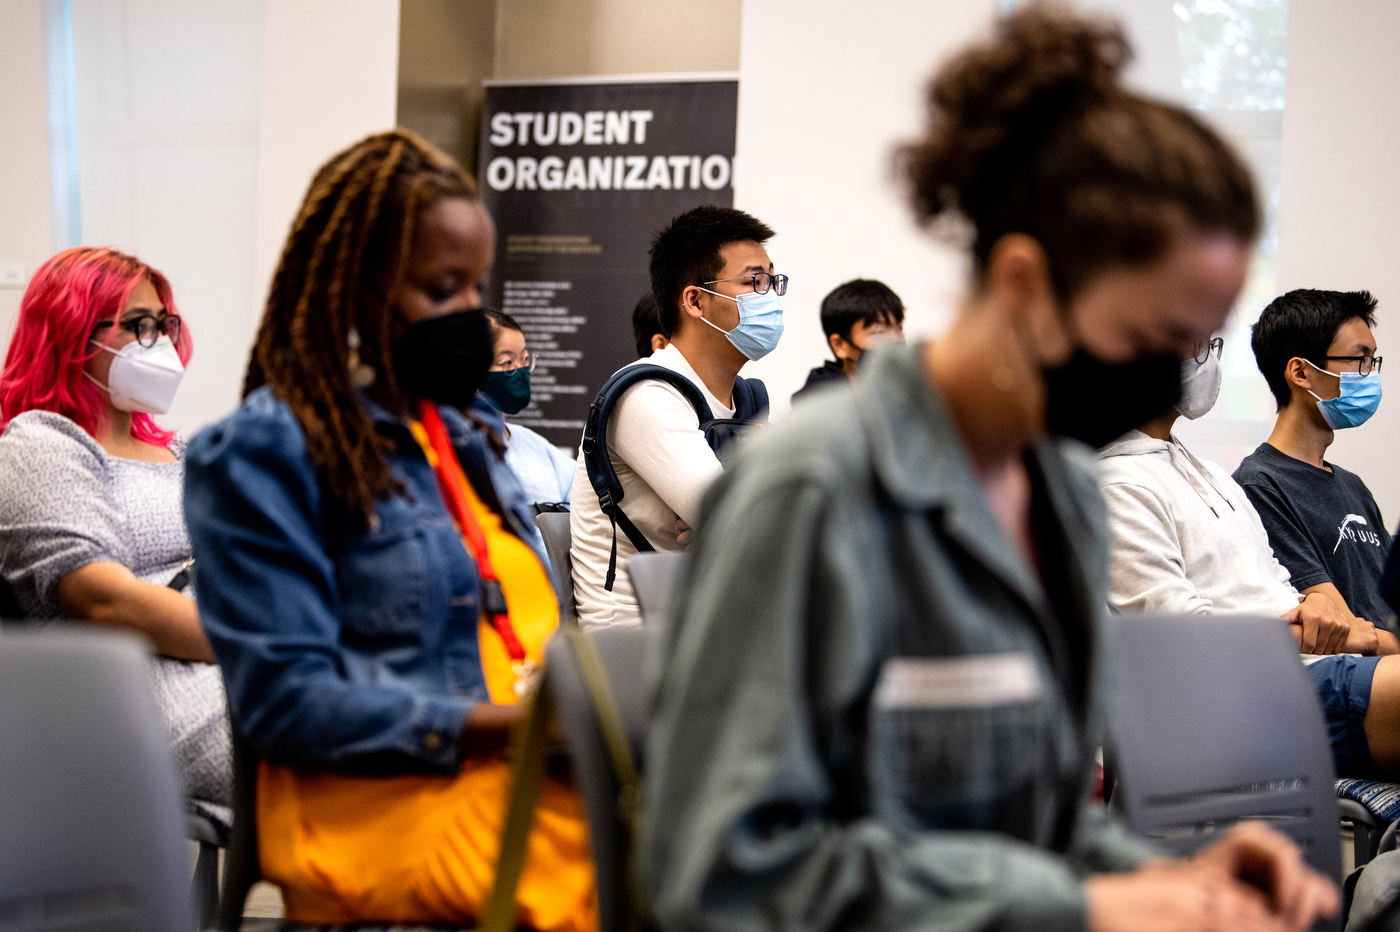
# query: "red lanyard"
452,481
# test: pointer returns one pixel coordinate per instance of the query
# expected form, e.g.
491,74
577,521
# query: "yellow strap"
528,747
595,677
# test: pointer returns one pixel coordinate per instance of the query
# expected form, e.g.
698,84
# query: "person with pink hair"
92,525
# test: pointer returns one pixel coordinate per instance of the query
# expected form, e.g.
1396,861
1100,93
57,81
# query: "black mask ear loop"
1004,376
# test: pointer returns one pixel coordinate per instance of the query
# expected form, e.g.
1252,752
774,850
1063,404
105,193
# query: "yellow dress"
422,849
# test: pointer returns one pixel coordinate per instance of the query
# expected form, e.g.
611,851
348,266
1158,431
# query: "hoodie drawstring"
1196,474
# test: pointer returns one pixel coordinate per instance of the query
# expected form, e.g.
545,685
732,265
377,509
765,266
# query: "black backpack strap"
750,400
601,474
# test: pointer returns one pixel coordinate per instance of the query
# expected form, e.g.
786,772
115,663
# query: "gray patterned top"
64,503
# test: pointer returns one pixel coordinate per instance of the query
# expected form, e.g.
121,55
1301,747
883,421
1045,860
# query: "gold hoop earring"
361,375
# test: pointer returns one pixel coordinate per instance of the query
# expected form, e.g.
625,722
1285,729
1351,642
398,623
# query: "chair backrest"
554,528
653,576
91,819
1215,721
622,650
241,867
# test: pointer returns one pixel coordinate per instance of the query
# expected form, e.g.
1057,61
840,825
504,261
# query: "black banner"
578,177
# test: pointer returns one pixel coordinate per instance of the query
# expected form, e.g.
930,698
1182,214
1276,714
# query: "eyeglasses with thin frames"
148,328
761,282
525,360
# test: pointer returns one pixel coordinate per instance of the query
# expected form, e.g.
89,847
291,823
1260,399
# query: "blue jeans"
1344,689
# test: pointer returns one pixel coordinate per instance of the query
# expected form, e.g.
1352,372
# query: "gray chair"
210,836
91,814
1214,721
653,576
1371,807
554,528
622,651
241,868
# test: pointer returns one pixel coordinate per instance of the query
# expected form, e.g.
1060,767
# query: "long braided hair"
344,261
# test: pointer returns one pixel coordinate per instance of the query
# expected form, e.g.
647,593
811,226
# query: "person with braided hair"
371,580
879,689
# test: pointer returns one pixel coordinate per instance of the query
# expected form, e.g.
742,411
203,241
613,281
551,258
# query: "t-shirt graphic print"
1353,528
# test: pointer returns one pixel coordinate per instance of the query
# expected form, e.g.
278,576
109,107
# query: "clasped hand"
1322,629
1252,880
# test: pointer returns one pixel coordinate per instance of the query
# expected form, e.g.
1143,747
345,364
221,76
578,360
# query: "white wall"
330,76
167,127
199,127
826,94
26,229
1339,218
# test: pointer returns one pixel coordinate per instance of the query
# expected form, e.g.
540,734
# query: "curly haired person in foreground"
880,683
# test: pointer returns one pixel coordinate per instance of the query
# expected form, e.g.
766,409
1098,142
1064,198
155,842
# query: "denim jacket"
868,712
342,646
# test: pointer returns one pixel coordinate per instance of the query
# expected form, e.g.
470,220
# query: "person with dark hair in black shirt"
856,316
646,326
1317,352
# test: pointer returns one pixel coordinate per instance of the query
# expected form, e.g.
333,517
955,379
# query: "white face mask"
1200,386
143,378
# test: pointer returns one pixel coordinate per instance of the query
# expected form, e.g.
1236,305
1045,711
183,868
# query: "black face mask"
445,358
1097,402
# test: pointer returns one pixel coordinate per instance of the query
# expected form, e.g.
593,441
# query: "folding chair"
1371,807
609,797
653,577
208,834
90,806
241,868
554,528
1214,721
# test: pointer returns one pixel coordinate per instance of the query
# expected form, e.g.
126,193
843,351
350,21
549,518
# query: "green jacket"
783,789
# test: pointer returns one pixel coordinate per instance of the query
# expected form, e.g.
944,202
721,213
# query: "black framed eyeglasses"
761,282
148,329
1214,345
1365,365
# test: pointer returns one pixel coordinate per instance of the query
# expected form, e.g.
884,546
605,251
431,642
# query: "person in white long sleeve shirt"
703,265
1184,539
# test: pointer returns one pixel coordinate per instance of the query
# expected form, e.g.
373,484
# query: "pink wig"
67,298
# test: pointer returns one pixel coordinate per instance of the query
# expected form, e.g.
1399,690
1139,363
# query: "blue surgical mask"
760,322
510,390
1360,397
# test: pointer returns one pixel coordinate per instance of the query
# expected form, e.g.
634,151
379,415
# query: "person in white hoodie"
1184,539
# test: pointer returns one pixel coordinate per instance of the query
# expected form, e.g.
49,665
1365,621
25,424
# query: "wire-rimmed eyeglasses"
1214,345
509,363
